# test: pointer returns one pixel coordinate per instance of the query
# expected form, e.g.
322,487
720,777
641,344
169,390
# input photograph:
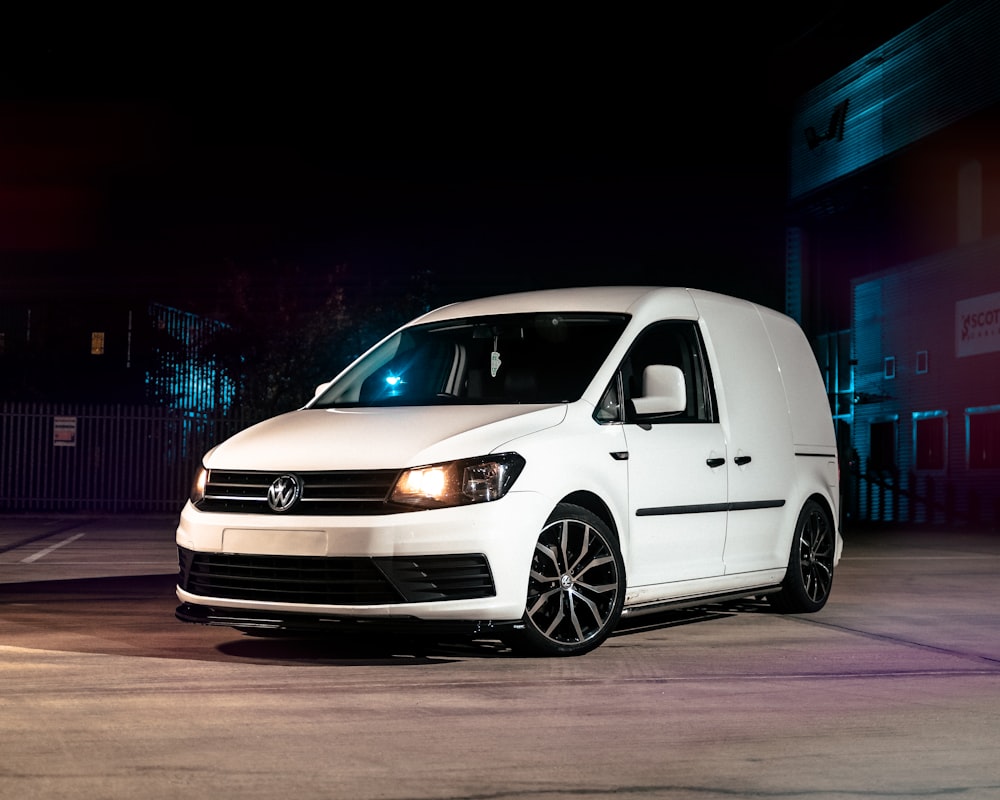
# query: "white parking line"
47,550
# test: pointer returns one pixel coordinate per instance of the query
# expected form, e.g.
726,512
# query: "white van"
530,467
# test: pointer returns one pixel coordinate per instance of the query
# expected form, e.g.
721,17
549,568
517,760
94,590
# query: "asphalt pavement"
891,691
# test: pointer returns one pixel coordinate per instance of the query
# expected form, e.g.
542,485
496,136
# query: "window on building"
922,364
883,445
930,440
97,343
889,369
983,437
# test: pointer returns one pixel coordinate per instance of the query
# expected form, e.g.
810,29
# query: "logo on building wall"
834,131
977,325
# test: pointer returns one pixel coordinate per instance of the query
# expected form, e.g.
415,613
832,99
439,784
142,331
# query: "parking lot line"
42,553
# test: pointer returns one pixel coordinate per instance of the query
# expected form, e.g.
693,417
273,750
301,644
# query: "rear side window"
674,343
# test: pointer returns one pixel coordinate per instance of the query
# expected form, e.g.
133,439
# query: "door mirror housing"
664,391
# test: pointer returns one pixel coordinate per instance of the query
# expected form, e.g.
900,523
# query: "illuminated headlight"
458,483
198,487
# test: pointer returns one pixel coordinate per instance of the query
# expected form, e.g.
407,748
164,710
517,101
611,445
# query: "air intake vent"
320,580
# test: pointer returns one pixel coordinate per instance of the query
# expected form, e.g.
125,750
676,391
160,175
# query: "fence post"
898,495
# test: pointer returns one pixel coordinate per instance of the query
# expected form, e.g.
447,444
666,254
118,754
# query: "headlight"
458,483
198,487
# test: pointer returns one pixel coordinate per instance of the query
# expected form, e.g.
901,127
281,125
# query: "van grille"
323,580
336,493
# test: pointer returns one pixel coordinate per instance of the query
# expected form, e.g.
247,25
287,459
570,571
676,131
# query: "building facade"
925,417
893,265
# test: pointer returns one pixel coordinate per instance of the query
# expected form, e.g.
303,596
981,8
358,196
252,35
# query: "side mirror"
664,391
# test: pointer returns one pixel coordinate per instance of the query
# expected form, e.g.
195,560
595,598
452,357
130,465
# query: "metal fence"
139,459
67,458
889,495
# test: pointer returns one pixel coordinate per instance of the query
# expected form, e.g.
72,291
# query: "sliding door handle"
715,462
742,461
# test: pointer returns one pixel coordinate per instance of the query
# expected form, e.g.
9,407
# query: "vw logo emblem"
284,493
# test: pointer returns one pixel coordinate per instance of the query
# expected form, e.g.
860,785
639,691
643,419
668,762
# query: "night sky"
493,149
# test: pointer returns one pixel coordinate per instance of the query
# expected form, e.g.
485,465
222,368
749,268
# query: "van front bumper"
467,565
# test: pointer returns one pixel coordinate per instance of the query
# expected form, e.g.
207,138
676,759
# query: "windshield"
515,358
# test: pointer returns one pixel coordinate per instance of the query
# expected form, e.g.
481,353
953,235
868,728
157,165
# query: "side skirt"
697,600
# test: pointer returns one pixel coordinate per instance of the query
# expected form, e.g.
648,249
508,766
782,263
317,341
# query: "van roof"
611,299
634,300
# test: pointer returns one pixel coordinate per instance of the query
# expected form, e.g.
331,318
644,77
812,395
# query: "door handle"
742,461
715,462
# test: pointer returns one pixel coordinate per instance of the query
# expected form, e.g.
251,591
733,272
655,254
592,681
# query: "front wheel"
809,577
576,585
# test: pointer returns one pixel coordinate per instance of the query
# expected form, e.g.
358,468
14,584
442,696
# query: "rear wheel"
809,577
576,586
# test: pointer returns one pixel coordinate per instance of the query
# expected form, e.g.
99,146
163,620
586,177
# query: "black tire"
576,586
809,577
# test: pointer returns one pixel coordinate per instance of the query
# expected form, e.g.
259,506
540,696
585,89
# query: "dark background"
484,148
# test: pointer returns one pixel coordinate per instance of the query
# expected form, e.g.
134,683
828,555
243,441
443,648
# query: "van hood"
379,438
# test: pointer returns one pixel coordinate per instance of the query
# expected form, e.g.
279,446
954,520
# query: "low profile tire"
576,586
809,577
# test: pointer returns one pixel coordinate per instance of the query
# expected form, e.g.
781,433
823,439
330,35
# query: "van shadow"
134,616
395,649
674,618
357,649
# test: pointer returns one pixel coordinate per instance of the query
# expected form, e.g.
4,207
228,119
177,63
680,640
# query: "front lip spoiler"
252,620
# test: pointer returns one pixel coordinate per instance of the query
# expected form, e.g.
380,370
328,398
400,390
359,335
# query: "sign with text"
977,325
64,431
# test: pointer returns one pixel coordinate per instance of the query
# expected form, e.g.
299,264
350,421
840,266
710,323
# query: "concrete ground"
892,691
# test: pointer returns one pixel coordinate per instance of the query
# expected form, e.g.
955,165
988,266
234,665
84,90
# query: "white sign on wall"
977,325
64,431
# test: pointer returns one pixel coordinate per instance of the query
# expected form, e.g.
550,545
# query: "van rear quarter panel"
808,406
813,436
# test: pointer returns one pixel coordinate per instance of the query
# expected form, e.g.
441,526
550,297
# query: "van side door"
676,464
754,411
